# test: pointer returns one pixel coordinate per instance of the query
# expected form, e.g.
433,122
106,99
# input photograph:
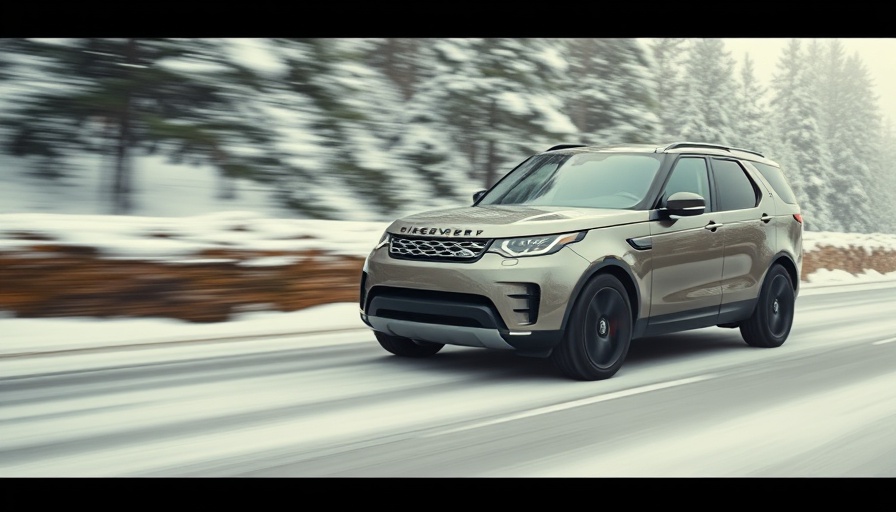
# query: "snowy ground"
164,238
26,335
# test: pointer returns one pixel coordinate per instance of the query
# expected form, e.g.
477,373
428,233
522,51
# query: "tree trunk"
121,190
491,156
399,73
226,186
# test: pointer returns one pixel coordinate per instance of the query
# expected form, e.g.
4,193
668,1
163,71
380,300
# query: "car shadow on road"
685,344
483,364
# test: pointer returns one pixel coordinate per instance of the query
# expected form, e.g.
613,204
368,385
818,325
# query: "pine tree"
803,150
610,93
850,124
884,177
120,98
350,108
751,113
709,91
668,58
495,99
431,170
401,60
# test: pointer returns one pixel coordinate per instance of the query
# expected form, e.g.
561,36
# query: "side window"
736,190
689,175
775,176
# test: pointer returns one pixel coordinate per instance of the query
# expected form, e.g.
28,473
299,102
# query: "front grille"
437,248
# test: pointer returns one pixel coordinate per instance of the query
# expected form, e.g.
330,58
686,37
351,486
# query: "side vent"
526,297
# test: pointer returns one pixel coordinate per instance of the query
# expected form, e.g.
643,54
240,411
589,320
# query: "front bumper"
494,302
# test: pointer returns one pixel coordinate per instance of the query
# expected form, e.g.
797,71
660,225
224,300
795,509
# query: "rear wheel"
407,347
771,321
599,333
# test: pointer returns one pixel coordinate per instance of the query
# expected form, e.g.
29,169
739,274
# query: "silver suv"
579,250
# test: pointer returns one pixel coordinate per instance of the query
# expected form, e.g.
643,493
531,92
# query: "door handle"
765,218
712,226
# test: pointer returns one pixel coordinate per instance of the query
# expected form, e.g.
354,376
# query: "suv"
578,250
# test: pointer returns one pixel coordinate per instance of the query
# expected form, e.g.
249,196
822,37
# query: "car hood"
503,221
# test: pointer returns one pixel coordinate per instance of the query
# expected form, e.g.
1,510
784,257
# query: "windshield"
594,180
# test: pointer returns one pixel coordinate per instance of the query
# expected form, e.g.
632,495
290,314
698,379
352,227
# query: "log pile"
49,280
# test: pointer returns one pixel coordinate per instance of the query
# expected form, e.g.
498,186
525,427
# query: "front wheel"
599,332
407,347
770,323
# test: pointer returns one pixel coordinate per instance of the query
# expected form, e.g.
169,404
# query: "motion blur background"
369,129
198,179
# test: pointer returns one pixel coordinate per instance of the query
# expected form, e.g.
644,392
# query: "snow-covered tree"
349,107
432,170
804,150
495,100
610,94
885,178
751,119
668,60
710,86
850,124
124,98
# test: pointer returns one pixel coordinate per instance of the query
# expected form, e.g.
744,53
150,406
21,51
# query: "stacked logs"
53,280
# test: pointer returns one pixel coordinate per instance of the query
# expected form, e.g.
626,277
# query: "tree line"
388,125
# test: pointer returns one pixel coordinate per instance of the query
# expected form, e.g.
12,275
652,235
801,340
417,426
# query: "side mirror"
684,204
478,195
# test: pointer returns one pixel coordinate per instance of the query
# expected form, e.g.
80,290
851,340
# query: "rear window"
775,176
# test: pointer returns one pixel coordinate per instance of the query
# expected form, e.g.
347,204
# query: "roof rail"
707,145
564,146
749,151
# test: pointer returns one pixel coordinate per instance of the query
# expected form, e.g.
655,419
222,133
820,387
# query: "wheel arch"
786,260
618,269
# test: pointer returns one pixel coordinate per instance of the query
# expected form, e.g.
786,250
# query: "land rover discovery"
579,250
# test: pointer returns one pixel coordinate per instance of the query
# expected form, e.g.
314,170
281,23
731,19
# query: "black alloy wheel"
772,319
599,332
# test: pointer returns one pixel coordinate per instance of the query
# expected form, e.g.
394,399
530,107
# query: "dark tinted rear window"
735,189
775,176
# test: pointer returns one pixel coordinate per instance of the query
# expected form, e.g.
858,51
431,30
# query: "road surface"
698,404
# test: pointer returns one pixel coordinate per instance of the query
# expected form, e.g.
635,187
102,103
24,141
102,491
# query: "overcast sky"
878,54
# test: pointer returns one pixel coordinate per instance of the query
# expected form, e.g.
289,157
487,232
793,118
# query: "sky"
878,54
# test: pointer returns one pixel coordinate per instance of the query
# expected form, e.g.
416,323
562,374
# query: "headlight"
535,245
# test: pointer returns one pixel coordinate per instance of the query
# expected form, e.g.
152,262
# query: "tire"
772,319
599,332
407,347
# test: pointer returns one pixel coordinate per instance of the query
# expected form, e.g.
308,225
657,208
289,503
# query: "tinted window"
689,175
736,190
596,180
775,176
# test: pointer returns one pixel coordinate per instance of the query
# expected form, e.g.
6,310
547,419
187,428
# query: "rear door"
745,214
